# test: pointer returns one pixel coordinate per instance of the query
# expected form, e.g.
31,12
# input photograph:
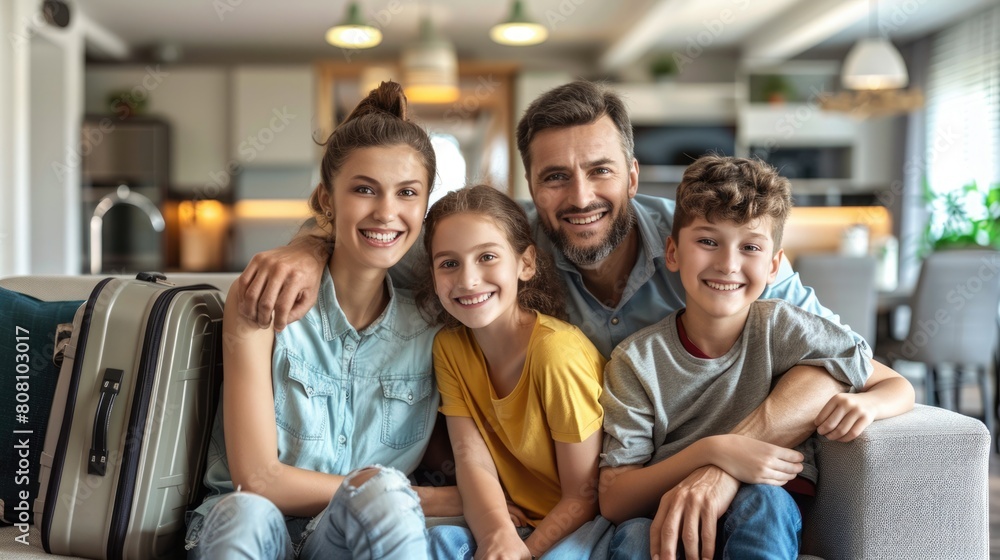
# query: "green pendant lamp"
353,32
519,29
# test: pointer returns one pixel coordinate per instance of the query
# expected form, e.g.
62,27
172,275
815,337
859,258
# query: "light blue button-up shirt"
344,398
652,292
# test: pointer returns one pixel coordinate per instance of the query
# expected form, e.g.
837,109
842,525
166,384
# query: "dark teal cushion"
27,384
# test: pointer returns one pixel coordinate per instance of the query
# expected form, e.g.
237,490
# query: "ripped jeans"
381,518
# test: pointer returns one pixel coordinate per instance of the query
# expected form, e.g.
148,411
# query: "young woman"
320,423
519,387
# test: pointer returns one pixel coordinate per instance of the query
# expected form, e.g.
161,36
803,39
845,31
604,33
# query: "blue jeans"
762,522
591,540
381,518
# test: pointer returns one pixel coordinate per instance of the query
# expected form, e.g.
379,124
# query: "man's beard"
621,225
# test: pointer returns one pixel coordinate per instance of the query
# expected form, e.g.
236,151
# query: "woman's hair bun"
386,98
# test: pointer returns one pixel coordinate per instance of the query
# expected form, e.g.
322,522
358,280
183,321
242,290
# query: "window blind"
963,104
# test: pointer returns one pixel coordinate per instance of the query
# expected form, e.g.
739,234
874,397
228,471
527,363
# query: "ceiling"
607,34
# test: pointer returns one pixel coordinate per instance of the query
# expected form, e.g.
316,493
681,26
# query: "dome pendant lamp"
873,63
519,29
430,68
354,32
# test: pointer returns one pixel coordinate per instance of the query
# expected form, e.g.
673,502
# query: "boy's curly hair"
733,189
543,293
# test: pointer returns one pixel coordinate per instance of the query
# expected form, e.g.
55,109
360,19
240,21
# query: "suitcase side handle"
99,443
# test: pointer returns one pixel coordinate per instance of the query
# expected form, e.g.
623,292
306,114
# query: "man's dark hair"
573,104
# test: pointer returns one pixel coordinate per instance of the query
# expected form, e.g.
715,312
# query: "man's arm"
284,282
627,489
785,418
634,491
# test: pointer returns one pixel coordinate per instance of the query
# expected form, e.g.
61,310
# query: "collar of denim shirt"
335,322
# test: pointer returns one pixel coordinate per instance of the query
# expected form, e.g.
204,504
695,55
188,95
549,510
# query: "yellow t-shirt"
555,399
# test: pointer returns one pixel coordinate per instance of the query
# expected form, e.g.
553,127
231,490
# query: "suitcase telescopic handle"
99,444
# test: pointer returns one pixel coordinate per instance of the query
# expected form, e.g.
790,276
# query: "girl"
350,385
519,387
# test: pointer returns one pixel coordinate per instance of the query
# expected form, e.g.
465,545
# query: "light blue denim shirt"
652,292
343,398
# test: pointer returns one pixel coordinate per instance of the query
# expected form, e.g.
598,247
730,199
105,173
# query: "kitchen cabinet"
794,125
827,154
679,103
193,100
273,111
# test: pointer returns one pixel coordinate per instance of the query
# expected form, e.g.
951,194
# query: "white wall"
56,81
14,199
40,113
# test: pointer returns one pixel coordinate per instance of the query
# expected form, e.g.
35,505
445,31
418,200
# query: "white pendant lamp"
353,32
430,68
874,63
519,29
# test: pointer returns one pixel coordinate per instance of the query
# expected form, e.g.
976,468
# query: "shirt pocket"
406,410
305,401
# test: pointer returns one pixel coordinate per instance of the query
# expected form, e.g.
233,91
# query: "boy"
675,389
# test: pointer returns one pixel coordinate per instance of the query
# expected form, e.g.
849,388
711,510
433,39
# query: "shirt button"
347,395
342,440
309,391
409,397
349,348
614,320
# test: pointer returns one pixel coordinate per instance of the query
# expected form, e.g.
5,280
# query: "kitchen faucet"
123,195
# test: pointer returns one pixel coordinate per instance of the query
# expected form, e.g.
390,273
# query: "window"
963,114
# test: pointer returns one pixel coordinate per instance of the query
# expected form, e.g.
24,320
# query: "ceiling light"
430,68
353,32
874,64
519,29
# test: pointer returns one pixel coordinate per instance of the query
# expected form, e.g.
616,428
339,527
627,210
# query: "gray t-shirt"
659,399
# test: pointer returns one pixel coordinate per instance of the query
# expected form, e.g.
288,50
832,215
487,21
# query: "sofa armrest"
913,486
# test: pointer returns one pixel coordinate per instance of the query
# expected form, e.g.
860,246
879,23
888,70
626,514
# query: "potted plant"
126,103
663,68
962,218
777,89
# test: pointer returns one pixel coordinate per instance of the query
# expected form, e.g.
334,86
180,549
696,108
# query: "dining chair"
844,285
954,326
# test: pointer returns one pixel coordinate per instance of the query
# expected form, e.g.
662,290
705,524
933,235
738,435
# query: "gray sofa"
914,486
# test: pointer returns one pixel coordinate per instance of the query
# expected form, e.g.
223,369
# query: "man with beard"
608,243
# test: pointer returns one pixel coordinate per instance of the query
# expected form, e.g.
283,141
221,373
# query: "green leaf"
951,209
929,195
993,196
